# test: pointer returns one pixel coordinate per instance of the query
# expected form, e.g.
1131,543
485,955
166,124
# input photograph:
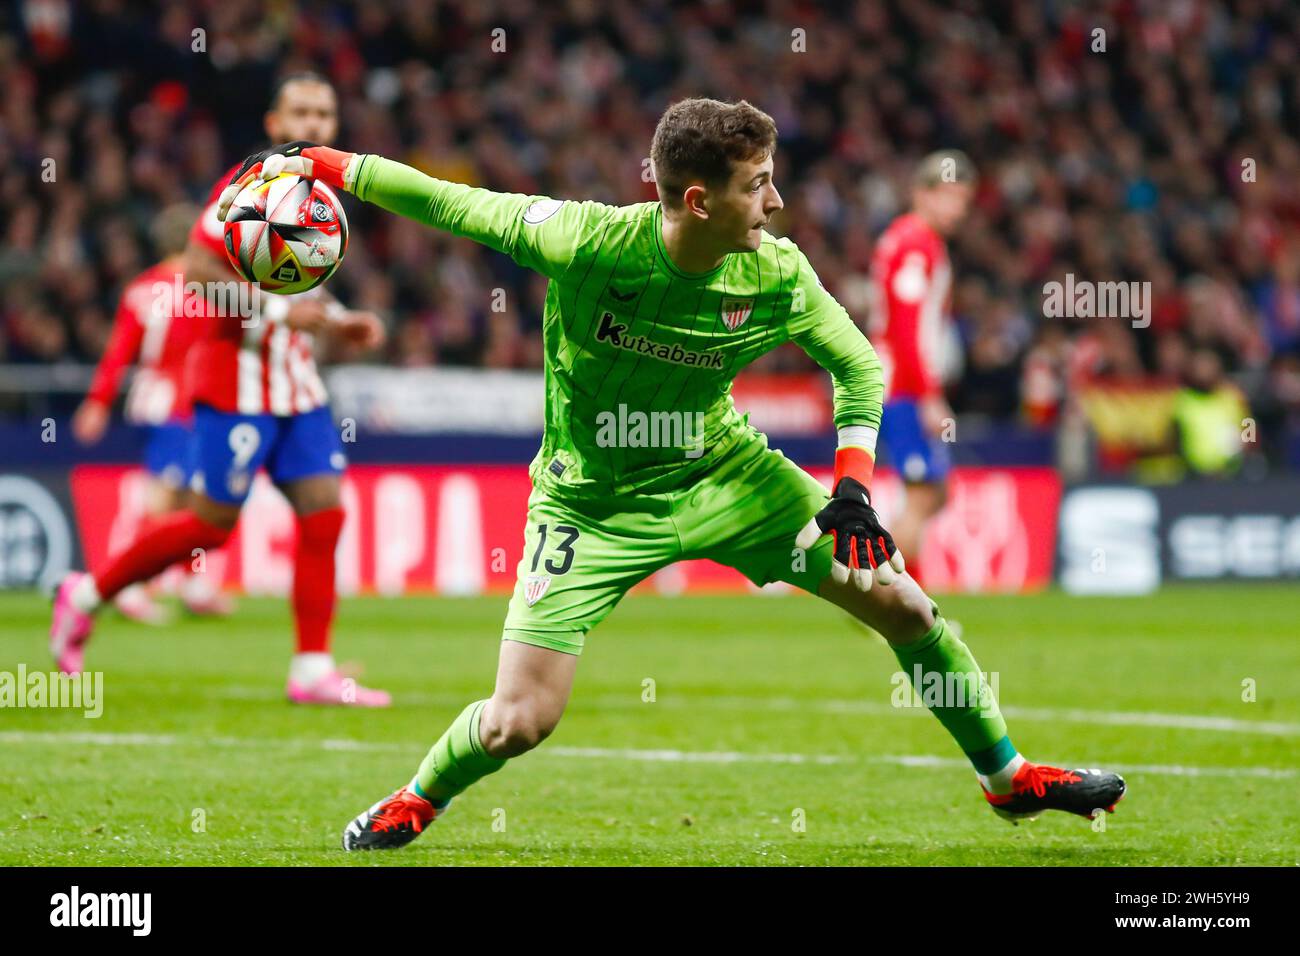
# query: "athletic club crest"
536,586
735,312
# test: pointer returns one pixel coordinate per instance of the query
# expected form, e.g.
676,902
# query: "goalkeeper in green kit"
651,311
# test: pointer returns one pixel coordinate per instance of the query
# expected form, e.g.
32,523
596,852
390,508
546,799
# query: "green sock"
944,673
457,760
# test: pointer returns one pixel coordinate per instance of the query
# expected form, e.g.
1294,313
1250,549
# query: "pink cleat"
337,689
203,597
135,604
211,604
69,628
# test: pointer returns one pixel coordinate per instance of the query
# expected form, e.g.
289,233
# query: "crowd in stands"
1118,140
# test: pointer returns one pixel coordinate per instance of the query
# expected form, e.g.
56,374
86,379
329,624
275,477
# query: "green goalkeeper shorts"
582,556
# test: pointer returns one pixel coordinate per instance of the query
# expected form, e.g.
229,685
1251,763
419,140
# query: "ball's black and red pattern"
287,234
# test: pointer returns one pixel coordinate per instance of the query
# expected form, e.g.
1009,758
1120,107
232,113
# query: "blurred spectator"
1211,417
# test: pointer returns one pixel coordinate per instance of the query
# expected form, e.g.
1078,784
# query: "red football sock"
313,578
167,539
186,564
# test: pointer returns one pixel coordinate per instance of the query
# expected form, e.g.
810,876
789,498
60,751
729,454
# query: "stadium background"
1167,157
703,726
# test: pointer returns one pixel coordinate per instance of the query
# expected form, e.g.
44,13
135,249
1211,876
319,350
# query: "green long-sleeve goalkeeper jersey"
640,356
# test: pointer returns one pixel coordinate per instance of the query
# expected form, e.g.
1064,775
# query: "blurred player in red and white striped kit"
155,325
912,286
259,402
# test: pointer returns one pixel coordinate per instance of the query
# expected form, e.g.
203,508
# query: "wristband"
330,166
855,458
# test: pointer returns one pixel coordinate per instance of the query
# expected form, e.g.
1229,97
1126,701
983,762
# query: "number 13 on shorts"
548,554
577,566
565,535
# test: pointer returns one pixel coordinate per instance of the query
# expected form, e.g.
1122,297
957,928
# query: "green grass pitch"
770,738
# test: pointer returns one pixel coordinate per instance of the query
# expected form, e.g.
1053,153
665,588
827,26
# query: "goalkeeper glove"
864,550
333,167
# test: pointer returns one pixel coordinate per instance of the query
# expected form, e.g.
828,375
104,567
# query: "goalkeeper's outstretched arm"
536,231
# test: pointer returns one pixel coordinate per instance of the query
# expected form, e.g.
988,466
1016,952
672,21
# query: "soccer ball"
287,234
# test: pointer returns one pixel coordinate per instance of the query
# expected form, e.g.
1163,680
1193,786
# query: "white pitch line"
91,739
694,756
901,760
601,753
1267,773
1149,719
1074,715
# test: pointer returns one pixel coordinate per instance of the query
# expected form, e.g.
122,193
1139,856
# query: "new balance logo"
614,332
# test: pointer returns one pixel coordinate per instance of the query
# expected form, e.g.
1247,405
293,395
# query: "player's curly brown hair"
699,139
